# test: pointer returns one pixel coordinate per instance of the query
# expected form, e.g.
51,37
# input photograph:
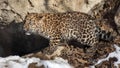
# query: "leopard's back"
70,25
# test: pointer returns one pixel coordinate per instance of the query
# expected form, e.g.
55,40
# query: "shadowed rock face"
13,40
117,19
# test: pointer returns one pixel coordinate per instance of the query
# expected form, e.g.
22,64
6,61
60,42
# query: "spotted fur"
66,26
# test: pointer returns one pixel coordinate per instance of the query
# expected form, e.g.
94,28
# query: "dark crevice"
13,40
30,3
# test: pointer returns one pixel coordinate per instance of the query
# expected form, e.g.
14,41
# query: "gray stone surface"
17,9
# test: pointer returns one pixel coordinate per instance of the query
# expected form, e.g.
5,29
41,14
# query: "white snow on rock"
116,54
56,63
18,62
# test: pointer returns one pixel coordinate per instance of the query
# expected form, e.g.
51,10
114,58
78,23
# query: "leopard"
61,27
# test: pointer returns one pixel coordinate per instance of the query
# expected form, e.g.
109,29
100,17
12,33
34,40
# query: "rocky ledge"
13,40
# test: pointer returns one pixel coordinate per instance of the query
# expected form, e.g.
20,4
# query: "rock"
117,40
16,10
7,15
75,55
5,41
19,43
107,64
40,55
106,10
117,19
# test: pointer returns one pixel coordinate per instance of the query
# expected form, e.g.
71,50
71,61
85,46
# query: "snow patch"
18,62
57,63
116,54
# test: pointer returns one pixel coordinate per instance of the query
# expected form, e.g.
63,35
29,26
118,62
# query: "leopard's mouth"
28,33
31,31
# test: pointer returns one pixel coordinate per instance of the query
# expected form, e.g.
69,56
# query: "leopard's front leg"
55,39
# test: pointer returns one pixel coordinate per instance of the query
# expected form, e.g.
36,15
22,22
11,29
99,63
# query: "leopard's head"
31,23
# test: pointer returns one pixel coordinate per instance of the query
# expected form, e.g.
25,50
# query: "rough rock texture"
13,41
107,64
76,56
17,9
117,19
106,10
